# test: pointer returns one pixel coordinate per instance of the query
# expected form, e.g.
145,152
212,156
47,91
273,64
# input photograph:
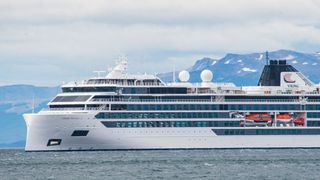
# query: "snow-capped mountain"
245,69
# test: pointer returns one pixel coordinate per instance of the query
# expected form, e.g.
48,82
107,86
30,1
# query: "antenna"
174,74
33,104
267,57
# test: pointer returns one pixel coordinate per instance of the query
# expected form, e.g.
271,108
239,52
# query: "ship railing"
76,83
62,109
260,100
75,109
201,100
313,100
151,100
96,108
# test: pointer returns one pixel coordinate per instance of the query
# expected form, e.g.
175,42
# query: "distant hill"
25,93
18,144
16,100
245,69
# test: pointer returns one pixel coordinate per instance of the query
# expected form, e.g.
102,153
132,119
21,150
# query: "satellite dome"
206,75
184,76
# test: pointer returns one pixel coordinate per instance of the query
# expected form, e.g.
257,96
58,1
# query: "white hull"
42,127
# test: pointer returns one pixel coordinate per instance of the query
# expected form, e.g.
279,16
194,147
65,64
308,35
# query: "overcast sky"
48,42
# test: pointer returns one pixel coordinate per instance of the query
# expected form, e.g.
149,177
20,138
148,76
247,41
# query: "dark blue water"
173,164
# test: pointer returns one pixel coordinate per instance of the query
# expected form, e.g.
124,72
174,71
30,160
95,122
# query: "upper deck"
277,78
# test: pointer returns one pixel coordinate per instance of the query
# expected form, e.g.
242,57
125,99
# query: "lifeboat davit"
299,122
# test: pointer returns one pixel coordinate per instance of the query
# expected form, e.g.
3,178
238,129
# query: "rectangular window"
80,133
54,142
70,98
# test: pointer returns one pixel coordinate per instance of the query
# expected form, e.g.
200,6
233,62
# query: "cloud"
64,40
166,11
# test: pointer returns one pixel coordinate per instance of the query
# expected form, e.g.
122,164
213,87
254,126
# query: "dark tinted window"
89,89
145,124
80,133
54,142
70,98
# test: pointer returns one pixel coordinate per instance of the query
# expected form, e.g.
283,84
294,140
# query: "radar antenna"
267,58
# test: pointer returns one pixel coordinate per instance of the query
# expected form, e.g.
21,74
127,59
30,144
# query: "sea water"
162,164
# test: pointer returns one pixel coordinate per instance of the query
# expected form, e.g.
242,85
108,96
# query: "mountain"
18,144
16,100
245,69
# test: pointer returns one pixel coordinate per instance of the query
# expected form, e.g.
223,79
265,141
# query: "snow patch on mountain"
246,69
213,63
305,63
294,62
260,57
314,64
289,57
227,62
239,61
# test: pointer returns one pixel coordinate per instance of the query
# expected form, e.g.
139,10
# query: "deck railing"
203,100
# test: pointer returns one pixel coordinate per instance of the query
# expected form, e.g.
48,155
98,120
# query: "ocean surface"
162,164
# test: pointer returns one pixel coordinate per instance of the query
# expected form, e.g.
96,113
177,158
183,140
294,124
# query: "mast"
267,58
33,104
120,68
174,74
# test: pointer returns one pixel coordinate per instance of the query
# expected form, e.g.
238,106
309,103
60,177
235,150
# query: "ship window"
119,107
134,124
161,115
70,98
146,107
80,133
54,142
118,124
66,106
140,124
152,107
89,89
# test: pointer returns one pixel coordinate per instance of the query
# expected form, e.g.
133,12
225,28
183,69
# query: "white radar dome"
184,76
206,75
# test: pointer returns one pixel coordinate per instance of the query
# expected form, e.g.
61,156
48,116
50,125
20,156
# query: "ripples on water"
173,164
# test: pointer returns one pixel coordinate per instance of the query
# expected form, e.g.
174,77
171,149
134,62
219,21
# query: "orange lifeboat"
284,117
257,117
299,122
266,117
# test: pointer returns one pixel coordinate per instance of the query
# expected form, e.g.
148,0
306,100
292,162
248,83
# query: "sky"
49,42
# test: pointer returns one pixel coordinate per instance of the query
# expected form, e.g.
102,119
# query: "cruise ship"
121,111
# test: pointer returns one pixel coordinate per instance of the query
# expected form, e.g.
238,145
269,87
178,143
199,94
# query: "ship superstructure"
122,111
